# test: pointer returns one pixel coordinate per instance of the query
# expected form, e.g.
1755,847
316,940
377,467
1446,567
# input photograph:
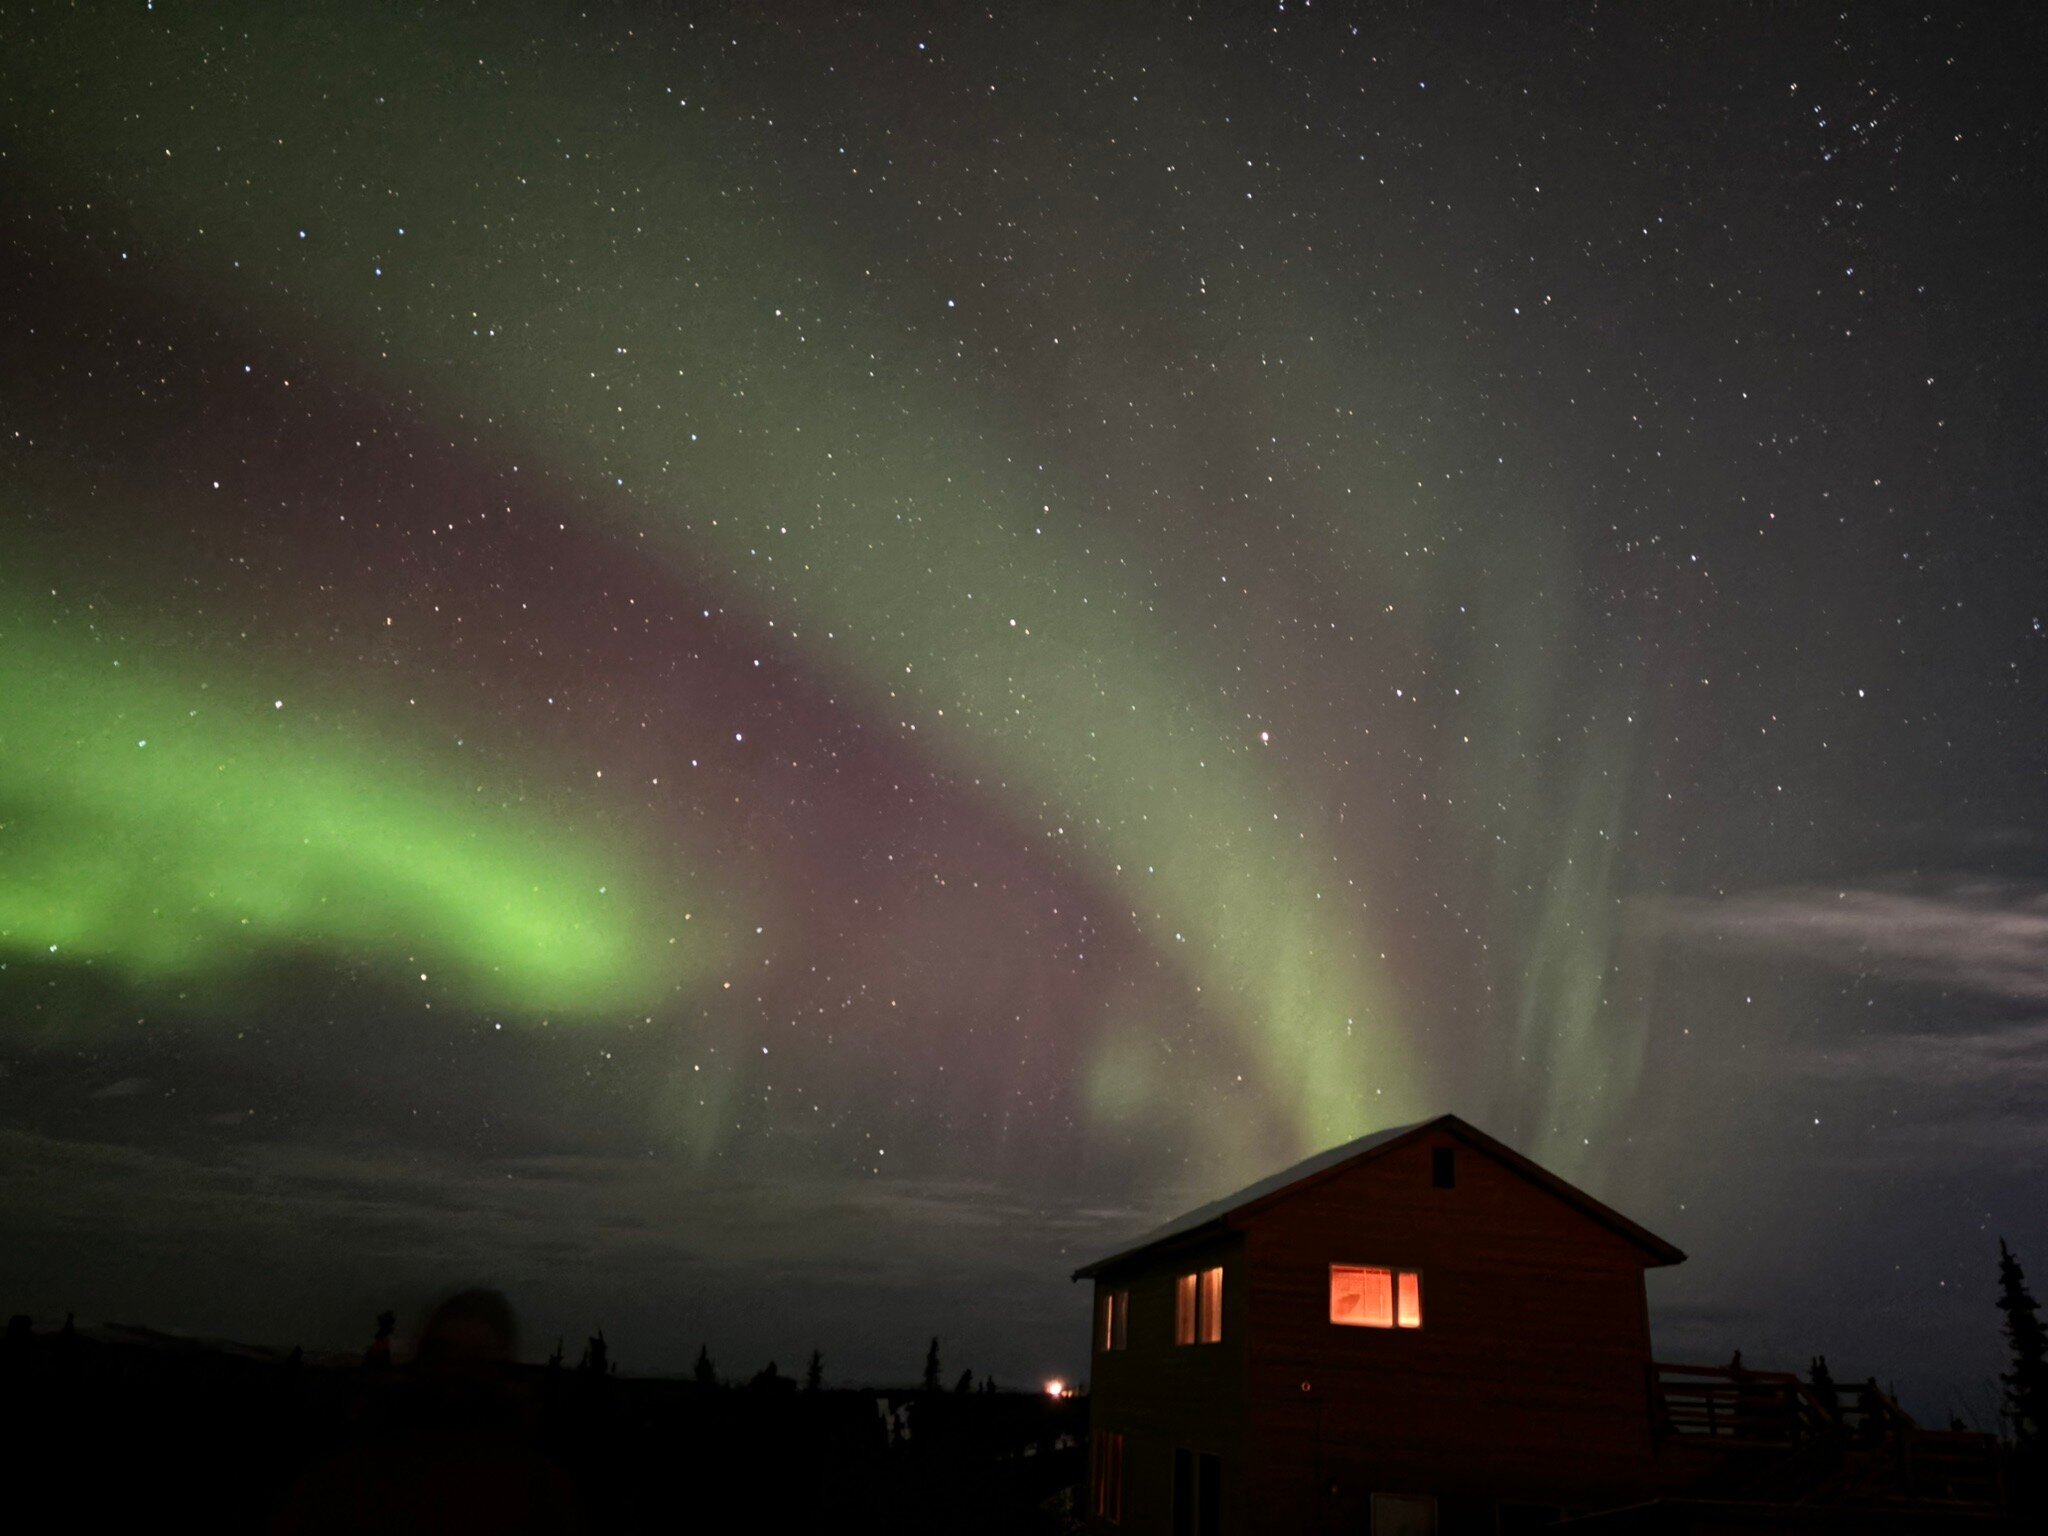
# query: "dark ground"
109,1431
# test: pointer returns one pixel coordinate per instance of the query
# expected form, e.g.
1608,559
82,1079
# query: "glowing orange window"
1368,1296
1408,1304
1116,1319
1198,1308
1209,1315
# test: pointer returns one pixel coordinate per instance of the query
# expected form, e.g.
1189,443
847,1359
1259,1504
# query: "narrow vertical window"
1409,1312
1116,1320
1198,1307
1209,1495
1209,1328
1109,1477
1113,1504
1197,1494
1184,1310
1443,1167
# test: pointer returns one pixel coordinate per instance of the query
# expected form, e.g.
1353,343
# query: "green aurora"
896,531
183,833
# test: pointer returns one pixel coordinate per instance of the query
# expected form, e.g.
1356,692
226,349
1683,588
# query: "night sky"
768,677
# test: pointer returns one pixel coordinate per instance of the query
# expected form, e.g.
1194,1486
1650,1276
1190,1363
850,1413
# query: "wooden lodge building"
1423,1331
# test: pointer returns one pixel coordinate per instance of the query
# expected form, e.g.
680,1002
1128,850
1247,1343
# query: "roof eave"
1659,1253
1193,1236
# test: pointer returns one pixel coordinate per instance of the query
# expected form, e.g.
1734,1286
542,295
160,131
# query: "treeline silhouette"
128,1426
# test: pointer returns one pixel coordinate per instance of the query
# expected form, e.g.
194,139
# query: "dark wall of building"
1527,1381
1163,1397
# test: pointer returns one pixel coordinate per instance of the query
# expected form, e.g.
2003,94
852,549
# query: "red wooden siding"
1528,1378
1527,1382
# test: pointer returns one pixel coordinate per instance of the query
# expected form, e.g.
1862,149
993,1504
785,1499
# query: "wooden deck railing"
1863,1447
1734,1407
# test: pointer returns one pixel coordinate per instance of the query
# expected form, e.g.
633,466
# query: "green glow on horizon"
178,833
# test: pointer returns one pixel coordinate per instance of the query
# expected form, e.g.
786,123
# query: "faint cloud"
2012,1058
1984,936
1960,1081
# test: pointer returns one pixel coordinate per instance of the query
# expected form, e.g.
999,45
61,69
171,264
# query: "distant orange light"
1055,1388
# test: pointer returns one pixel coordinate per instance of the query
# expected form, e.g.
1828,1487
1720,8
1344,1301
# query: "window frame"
1198,1306
1115,1333
1402,1503
1209,1305
1196,1507
1106,1498
1208,1493
1395,1274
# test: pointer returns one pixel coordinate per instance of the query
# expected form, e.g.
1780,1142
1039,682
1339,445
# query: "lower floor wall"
1147,1481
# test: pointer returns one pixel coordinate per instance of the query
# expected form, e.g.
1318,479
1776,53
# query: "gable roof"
1218,1214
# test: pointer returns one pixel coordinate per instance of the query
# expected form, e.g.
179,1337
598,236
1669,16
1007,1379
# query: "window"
1197,1494
1116,1320
1443,1167
1107,1479
1198,1308
1364,1296
1403,1514
1525,1519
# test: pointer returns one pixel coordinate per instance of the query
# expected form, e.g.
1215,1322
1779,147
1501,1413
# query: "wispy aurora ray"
648,314
177,832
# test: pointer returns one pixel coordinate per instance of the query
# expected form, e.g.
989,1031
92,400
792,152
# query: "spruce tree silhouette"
1824,1389
965,1384
551,1406
704,1373
814,1373
2025,1404
931,1367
